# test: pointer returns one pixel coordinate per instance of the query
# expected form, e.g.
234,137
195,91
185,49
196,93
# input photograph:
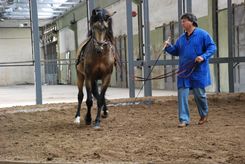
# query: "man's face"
186,24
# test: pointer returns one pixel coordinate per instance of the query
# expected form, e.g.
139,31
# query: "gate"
121,69
50,64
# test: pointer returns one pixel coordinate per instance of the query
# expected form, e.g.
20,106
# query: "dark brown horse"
96,58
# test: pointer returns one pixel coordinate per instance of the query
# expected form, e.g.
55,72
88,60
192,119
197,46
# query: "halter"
99,45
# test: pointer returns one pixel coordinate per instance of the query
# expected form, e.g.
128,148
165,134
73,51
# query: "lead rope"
189,66
168,40
177,71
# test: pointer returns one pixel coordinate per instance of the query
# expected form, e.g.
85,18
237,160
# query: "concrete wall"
66,46
222,4
223,50
15,45
156,50
82,30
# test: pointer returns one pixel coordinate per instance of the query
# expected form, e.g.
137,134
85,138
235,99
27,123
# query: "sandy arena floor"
132,133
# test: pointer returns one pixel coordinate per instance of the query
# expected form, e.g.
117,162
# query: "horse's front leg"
80,81
80,99
101,99
89,102
105,110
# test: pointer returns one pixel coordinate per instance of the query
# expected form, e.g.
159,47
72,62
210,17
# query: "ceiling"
16,10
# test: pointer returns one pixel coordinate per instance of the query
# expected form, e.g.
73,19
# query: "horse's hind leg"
101,99
80,81
96,95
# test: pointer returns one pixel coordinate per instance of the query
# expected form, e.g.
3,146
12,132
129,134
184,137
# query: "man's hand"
199,59
166,43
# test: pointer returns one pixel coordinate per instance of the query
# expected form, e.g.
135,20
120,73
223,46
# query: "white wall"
66,40
15,45
222,4
66,43
160,11
82,30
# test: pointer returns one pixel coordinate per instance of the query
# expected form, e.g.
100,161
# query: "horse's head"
101,25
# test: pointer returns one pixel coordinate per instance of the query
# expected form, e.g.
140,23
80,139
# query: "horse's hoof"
105,114
96,127
87,121
77,120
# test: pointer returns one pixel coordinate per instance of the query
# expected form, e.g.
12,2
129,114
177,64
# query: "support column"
90,7
130,48
36,51
73,27
230,45
189,6
147,51
180,12
183,7
213,29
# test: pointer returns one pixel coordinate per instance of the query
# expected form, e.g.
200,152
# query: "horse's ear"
93,17
94,12
111,14
110,30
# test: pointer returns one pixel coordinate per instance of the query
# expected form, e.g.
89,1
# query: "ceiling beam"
18,8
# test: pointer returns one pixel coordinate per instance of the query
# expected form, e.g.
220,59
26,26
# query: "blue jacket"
199,44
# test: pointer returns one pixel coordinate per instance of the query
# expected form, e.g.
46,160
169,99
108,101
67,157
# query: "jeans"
200,99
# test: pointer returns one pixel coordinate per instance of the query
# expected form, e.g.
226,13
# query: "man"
194,48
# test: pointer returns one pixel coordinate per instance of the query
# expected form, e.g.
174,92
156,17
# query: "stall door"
50,64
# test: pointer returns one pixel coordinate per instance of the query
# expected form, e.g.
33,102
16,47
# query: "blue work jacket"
199,43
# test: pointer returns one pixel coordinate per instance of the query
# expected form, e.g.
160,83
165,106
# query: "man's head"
188,20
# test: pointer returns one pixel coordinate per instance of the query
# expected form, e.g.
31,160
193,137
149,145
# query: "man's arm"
172,49
210,47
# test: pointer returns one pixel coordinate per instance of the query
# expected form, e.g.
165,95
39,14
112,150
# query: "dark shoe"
203,120
182,125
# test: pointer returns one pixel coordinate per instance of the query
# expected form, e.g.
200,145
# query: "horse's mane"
105,15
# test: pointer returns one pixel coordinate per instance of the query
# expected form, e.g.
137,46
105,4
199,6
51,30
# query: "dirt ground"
145,133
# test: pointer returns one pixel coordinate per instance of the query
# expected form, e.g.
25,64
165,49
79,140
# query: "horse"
96,58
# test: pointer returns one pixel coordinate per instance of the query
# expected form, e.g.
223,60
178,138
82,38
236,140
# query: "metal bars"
230,45
36,51
130,48
147,52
